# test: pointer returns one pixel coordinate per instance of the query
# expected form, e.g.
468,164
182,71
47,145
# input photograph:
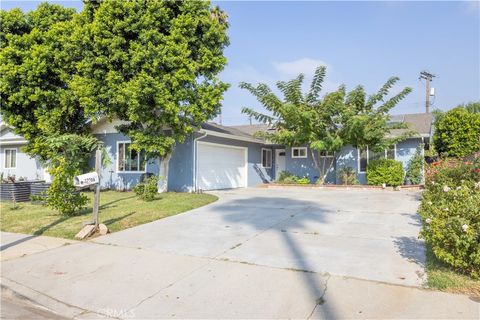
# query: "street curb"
36,299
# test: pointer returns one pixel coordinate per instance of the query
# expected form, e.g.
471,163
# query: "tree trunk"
321,168
163,178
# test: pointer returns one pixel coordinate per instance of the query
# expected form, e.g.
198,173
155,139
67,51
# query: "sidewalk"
15,245
86,279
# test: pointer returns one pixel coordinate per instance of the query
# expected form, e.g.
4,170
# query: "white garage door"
220,166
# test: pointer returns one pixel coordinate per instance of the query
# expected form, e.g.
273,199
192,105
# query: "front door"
279,162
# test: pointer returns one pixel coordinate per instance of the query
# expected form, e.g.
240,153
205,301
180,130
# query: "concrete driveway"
370,235
255,253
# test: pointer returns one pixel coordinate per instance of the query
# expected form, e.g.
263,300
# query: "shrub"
450,211
386,171
284,175
457,133
303,180
415,167
289,178
451,172
347,176
148,189
62,195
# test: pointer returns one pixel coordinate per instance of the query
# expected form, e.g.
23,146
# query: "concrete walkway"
230,272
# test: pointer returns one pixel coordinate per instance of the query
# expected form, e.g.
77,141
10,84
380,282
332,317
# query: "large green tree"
327,123
457,132
154,65
37,66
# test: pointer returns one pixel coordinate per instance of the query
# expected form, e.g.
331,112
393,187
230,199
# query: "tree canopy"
37,66
457,132
151,63
326,123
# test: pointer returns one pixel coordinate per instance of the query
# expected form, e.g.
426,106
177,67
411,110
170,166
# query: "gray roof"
420,123
252,128
212,126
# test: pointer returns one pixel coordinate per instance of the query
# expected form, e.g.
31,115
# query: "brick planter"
338,186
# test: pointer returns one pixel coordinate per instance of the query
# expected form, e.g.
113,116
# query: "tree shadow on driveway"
295,214
412,249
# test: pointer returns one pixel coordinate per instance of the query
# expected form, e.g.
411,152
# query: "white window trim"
117,158
368,156
271,158
328,156
359,160
5,157
299,157
394,152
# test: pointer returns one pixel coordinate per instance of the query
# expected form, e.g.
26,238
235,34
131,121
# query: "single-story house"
15,162
220,157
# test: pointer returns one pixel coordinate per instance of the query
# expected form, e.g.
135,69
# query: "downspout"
195,189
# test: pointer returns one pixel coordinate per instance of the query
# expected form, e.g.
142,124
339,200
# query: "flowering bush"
450,211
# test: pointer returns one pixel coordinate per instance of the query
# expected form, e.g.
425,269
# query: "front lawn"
442,277
118,210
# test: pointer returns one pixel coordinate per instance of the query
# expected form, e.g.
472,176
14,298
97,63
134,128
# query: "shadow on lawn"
113,220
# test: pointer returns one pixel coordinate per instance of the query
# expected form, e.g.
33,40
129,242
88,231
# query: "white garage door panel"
220,167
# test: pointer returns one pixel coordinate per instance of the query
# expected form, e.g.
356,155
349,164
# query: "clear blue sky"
360,42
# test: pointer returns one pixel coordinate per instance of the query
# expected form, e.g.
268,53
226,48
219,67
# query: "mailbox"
85,180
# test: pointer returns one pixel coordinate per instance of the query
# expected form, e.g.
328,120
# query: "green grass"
442,277
118,210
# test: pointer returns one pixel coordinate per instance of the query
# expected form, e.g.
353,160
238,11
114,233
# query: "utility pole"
428,77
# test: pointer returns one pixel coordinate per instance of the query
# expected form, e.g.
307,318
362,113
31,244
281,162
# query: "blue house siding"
110,177
180,172
26,166
406,149
256,173
348,157
181,167
305,167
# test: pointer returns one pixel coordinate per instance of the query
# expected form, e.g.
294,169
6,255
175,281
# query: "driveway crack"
321,299
290,216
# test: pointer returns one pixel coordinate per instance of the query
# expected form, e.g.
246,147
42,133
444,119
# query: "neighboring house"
15,162
221,157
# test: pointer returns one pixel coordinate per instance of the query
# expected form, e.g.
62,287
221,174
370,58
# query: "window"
366,155
390,152
299,152
266,158
363,156
326,154
129,160
10,158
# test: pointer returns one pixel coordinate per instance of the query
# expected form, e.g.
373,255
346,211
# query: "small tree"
457,133
66,156
415,167
325,124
